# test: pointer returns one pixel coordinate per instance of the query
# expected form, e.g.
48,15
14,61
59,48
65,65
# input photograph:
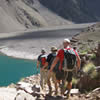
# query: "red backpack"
43,60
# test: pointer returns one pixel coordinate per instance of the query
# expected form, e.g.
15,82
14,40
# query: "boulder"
86,83
98,55
7,93
24,96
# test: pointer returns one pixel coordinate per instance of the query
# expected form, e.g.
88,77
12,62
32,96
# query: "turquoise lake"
12,69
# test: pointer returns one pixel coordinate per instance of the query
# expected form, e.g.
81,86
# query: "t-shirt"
50,59
60,55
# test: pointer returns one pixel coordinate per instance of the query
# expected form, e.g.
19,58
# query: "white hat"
67,40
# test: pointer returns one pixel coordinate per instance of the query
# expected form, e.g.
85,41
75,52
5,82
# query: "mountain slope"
16,15
19,15
78,11
51,18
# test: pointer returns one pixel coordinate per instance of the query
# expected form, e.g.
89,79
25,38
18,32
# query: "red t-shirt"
60,55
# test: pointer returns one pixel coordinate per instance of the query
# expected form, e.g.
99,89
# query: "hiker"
41,62
49,61
67,63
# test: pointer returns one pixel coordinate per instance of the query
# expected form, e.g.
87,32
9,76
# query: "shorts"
68,76
59,75
64,75
52,75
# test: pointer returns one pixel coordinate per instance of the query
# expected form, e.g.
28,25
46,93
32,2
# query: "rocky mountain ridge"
16,15
78,11
19,15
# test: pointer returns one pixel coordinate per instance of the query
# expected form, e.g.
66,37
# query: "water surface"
12,69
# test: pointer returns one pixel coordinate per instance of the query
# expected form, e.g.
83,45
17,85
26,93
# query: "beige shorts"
43,76
52,76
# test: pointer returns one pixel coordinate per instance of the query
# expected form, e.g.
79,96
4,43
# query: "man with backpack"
41,62
68,58
49,61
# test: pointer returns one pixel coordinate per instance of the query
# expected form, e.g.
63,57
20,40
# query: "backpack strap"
73,50
68,48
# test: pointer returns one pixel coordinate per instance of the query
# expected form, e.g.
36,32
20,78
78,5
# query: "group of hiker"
58,66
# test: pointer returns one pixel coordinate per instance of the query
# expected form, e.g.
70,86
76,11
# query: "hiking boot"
68,95
42,87
63,91
50,92
41,84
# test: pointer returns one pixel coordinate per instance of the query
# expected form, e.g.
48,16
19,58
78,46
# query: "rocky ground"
88,39
29,89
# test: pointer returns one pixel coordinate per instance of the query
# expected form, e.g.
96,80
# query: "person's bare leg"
50,88
69,87
63,87
41,79
49,84
56,87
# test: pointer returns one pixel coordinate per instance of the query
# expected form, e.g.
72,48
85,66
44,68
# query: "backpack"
53,56
50,63
42,60
69,59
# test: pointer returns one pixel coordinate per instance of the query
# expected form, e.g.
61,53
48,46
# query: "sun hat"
53,48
43,50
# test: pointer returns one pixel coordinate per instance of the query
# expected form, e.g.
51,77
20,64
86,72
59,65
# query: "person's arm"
46,64
38,62
54,63
78,62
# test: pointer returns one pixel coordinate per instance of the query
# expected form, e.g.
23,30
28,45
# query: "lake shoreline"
28,44
17,54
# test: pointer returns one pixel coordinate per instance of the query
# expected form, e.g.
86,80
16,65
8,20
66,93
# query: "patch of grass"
84,49
83,53
94,74
90,70
74,81
93,56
